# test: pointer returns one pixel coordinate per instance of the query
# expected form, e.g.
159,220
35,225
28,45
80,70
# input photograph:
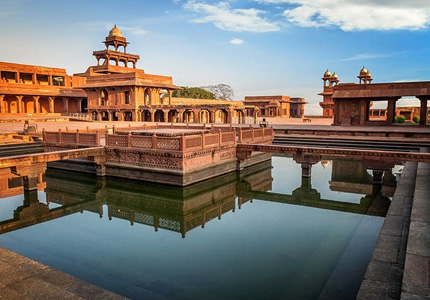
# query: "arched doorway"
114,116
189,116
159,116
128,116
173,116
146,116
105,116
204,116
11,104
220,116
94,116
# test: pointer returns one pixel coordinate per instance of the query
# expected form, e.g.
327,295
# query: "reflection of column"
30,173
306,162
377,176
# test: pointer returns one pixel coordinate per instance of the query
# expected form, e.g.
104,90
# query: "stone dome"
115,32
364,72
327,74
334,76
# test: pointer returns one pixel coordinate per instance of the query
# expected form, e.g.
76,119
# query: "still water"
264,234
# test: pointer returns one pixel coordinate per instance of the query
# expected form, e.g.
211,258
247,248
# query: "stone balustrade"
75,138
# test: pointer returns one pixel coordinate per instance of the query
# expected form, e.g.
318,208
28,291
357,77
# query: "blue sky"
261,47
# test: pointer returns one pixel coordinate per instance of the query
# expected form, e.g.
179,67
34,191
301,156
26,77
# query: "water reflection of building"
172,208
352,176
181,209
12,185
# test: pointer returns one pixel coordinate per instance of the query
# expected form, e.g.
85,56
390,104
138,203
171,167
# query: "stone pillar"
50,79
170,97
391,111
99,116
166,115
51,104
66,104
109,113
195,116
423,111
80,105
152,112
212,116
19,108
36,103
34,78
17,77
229,116
2,109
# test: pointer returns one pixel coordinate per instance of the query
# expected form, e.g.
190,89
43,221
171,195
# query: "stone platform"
22,278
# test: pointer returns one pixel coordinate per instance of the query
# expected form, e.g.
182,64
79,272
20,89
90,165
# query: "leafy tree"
221,91
193,92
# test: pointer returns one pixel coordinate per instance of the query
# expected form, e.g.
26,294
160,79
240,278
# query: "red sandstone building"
36,90
116,90
274,106
350,103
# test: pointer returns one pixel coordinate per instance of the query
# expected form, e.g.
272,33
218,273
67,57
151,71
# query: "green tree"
193,92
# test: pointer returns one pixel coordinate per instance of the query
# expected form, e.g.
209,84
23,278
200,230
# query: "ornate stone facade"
35,90
274,106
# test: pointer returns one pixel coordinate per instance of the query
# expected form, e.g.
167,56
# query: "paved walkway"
24,279
400,264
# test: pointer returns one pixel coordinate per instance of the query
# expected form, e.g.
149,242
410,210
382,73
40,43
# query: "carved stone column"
66,104
423,111
36,103
51,104
2,110
19,104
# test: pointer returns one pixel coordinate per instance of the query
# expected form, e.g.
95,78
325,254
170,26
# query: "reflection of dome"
115,32
364,71
334,76
327,74
324,163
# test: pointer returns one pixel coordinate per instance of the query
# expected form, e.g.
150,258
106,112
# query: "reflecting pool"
266,233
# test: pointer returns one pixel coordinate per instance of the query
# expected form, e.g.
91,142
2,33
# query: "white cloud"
365,56
236,42
352,15
135,30
226,18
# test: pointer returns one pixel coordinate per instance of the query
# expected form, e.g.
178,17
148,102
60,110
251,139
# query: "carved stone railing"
210,137
75,138
255,135
175,142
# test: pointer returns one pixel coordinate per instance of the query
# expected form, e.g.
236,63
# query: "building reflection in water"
182,209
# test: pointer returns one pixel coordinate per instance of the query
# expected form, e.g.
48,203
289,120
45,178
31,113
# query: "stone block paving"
416,282
24,279
383,278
